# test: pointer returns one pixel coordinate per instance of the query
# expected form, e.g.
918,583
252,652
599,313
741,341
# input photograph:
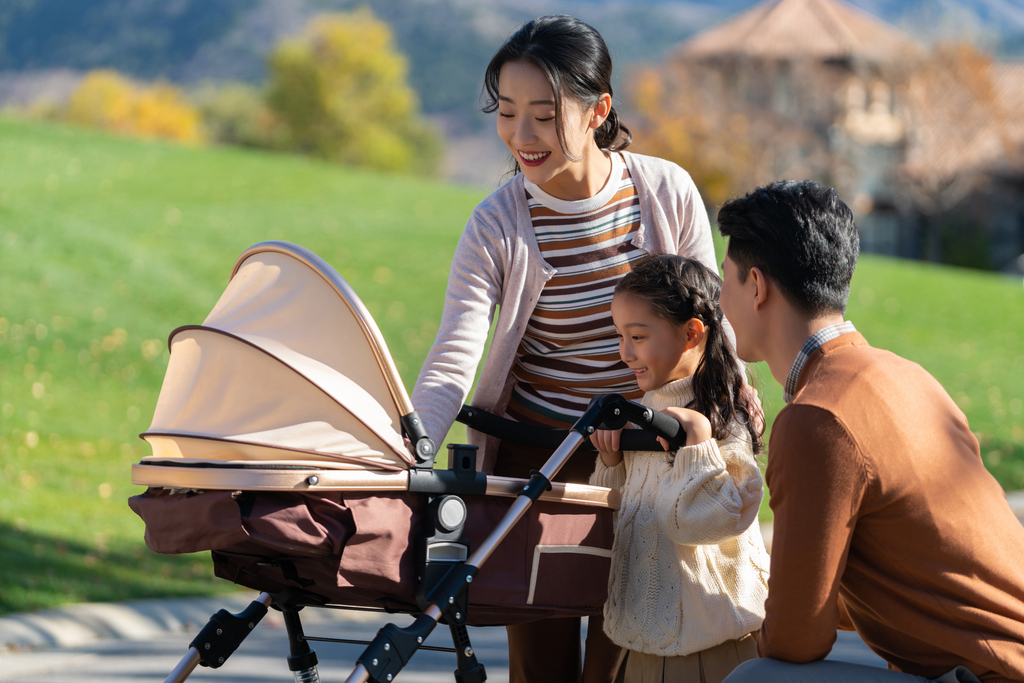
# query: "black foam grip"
668,428
545,437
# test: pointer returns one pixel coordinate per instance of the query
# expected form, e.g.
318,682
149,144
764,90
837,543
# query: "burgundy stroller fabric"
278,445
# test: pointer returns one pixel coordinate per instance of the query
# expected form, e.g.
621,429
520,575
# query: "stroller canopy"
289,368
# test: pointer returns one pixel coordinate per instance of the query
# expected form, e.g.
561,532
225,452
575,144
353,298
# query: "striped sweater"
569,352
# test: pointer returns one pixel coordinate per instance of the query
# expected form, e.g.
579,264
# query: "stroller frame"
446,599
317,468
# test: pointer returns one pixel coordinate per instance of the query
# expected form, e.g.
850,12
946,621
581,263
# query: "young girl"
545,250
689,572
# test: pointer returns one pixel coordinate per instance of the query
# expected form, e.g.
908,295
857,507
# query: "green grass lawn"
107,244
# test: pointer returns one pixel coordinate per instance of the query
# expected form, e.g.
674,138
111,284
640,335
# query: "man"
886,521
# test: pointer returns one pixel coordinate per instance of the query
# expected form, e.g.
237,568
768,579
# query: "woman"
547,248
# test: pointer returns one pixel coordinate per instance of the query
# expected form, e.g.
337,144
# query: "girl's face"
527,126
656,350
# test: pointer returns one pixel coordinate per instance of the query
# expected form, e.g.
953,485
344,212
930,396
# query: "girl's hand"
606,441
696,425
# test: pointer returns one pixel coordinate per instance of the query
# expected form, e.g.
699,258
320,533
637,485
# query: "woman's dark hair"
679,289
574,58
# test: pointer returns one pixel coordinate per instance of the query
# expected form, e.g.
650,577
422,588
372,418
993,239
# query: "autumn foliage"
341,91
107,100
716,147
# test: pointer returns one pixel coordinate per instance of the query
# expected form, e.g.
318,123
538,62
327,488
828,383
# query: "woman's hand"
696,425
606,441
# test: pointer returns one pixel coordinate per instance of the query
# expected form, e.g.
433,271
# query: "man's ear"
762,287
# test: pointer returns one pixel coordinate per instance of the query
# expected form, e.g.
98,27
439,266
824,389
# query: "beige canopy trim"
249,463
231,479
352,300
163,451
344,392
251,479
178,449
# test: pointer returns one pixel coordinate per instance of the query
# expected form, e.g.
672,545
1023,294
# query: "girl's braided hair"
679,289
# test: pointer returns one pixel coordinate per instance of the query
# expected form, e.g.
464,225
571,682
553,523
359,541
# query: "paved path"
260,658
141,641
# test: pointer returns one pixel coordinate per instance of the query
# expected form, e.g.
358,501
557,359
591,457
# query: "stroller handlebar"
643,439
388,653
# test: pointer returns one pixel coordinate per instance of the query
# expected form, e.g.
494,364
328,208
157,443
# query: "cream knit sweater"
689,570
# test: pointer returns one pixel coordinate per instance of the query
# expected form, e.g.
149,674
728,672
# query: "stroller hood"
288,368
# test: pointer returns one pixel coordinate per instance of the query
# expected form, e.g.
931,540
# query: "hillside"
448,42
107,244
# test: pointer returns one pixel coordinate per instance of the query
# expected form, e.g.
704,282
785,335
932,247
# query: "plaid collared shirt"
813,343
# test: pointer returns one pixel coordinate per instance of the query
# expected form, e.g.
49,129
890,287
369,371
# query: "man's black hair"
801,235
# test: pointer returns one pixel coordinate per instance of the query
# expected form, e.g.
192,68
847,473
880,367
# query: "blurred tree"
675,127
341,92
102,100
726,149
736,124
107,100
237,114
959,127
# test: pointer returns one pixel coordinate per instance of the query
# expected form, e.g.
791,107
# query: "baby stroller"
285,443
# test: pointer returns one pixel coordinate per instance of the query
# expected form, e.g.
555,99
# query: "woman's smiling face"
527,126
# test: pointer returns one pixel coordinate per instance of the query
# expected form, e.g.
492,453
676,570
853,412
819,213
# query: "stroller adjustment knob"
451,513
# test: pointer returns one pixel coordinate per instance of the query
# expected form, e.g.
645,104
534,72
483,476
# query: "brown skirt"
707,666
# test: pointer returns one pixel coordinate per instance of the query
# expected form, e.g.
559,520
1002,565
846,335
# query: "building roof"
821,29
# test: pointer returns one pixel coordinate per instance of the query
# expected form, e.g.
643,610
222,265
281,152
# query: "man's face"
737,301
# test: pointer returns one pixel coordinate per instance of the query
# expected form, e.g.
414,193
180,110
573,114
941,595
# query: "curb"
1016,502
88,623
85,623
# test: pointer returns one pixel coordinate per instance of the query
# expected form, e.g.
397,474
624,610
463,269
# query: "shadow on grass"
41,571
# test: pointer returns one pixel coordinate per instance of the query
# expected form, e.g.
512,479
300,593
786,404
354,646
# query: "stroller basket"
279,444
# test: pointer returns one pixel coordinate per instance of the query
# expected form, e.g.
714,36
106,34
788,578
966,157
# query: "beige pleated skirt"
707,666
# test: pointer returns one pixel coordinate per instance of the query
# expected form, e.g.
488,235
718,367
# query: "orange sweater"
886,516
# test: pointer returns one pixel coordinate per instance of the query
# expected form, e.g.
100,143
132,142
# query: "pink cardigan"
498,263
